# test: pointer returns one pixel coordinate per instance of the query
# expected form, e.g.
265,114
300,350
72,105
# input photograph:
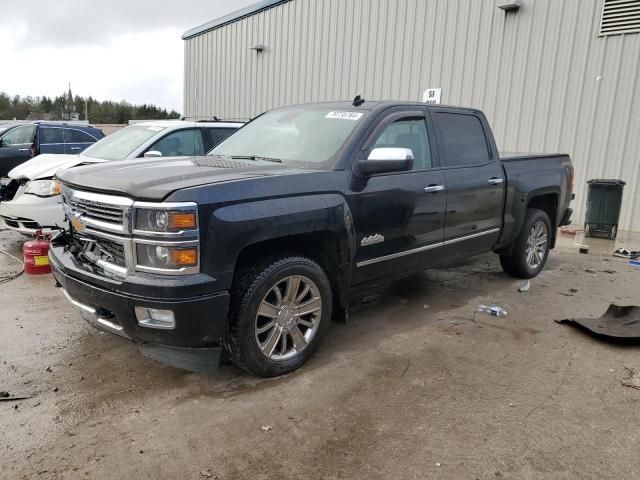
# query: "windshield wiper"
255,157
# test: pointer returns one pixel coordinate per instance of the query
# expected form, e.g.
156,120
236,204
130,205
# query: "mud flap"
193,359
618,322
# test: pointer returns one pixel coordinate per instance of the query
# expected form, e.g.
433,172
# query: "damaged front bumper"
194,341
26,213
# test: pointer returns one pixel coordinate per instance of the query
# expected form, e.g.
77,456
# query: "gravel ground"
416,385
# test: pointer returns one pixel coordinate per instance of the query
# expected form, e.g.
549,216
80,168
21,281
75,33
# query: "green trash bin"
604,201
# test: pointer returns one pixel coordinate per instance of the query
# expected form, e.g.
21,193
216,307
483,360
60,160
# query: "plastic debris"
266,428
526,287
494,310
583,248
590,270
634,263
618,322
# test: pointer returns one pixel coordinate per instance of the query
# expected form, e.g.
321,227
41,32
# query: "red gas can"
36,255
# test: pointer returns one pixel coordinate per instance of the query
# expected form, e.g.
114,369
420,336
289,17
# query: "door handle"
434,188
23,149
495,181
74,148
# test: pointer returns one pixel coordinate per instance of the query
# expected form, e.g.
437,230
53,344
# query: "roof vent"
620,17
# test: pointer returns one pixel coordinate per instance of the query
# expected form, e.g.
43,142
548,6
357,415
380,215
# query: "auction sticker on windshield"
344,115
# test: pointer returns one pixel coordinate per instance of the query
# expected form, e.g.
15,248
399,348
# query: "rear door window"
72,135
217,135
50,135
463,139
182,142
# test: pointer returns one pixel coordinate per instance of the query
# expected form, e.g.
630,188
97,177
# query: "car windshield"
119,145
304,136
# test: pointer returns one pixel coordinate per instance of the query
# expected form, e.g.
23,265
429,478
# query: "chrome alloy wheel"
536,244
288,317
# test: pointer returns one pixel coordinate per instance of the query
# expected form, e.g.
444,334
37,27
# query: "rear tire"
269,332
531,249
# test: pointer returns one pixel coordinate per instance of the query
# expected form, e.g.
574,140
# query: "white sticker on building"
344,115
432,95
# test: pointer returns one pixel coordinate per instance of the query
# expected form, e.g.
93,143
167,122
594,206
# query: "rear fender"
517,208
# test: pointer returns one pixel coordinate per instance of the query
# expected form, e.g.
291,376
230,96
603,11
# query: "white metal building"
551,75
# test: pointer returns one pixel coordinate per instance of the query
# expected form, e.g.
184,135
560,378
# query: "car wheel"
280,311
531,248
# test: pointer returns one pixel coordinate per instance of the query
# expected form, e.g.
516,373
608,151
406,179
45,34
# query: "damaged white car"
30,196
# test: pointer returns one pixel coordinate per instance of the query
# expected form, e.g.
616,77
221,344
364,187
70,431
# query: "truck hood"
154,179
46,165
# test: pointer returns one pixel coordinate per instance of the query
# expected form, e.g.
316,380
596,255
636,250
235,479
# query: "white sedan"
30,196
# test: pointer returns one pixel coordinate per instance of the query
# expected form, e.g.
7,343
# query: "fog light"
154,318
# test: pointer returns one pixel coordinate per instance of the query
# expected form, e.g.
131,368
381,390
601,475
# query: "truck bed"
514,157
547,176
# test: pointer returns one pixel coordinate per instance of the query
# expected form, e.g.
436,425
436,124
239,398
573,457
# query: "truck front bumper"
195,341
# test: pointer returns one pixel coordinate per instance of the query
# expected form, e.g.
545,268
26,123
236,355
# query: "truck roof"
371,105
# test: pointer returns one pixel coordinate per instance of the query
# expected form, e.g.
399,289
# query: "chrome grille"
97,210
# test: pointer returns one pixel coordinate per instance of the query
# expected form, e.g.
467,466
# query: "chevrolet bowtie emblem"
372,239
77,223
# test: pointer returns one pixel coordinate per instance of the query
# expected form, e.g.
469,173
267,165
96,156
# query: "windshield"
305,136
119,145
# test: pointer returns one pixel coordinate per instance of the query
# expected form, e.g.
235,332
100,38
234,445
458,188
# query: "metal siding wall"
542,76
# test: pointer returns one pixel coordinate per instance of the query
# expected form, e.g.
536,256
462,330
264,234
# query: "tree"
61,107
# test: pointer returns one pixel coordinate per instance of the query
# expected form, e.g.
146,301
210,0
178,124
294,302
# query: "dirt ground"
416,385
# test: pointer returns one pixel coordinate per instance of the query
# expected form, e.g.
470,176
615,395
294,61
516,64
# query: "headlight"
43,188
166,238
167,257
154,220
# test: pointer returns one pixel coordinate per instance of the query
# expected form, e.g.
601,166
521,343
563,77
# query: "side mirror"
386,160
152,154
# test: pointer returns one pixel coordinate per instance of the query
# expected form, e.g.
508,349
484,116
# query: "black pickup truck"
253,248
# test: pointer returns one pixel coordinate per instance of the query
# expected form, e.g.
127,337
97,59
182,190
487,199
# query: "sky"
111,50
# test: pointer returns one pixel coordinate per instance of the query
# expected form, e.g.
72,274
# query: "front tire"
280,311
531,249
